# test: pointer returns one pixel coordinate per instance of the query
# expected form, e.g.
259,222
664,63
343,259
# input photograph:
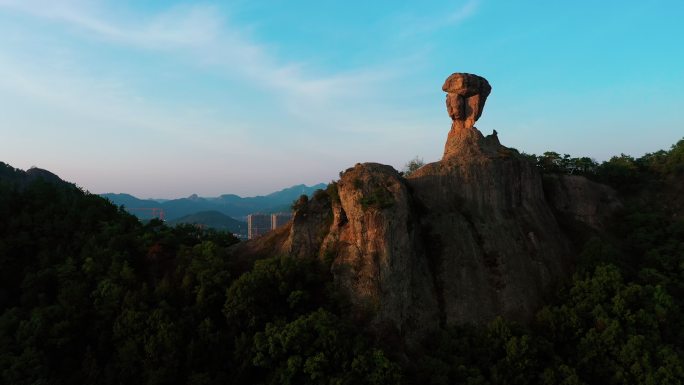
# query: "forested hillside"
88,294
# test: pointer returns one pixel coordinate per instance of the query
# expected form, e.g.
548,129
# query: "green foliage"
333,192
320,348
379,198
624,172
605,330
321,195
413,165
553,162
620,171
300,203
616,331
665,162
281,287
292,328
88,294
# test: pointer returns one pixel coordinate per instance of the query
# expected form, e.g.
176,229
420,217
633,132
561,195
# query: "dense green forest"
88,294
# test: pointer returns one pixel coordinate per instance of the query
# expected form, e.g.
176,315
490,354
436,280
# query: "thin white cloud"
463,13
336,102
107,103
419,25
174,28
198,33
326,111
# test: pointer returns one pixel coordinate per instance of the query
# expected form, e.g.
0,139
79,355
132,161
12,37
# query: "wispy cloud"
200,34
203,36
345,115
463,13
424,24
109,107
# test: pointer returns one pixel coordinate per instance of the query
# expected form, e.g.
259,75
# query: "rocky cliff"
579,199
464,239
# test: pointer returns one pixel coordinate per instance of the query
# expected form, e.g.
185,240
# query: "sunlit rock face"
462,240
465,101
489,232
466,97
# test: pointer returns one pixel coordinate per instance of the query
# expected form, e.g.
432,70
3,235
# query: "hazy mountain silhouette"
215,220
229,204
23,178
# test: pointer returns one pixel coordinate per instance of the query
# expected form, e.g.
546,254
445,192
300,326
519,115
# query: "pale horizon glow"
164,99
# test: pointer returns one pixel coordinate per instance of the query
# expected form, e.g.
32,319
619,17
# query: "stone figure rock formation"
466,97
465,101
461,240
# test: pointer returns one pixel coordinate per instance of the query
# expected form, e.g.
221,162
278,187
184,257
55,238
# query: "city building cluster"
260,224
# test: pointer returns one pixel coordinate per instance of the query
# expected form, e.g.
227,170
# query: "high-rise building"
257,225
260,224
279,219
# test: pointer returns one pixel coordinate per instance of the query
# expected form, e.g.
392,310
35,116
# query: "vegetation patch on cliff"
379,198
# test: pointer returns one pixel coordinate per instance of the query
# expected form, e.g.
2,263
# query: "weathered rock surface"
466,97
464,239
493,239
310,225
376,249
582,200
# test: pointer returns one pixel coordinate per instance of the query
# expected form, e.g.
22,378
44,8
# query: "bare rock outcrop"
310,224
376,249
582,200
465,101
493,239
465,239
466,97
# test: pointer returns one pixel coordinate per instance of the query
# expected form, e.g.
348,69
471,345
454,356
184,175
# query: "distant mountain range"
214,220
228,204
219,213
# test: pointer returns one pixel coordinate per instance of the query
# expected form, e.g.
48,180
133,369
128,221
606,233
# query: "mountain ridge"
215,220
231,205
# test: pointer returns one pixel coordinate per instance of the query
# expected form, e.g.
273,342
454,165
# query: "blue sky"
168,98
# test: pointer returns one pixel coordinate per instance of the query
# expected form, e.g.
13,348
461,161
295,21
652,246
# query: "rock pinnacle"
465,100
466,97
